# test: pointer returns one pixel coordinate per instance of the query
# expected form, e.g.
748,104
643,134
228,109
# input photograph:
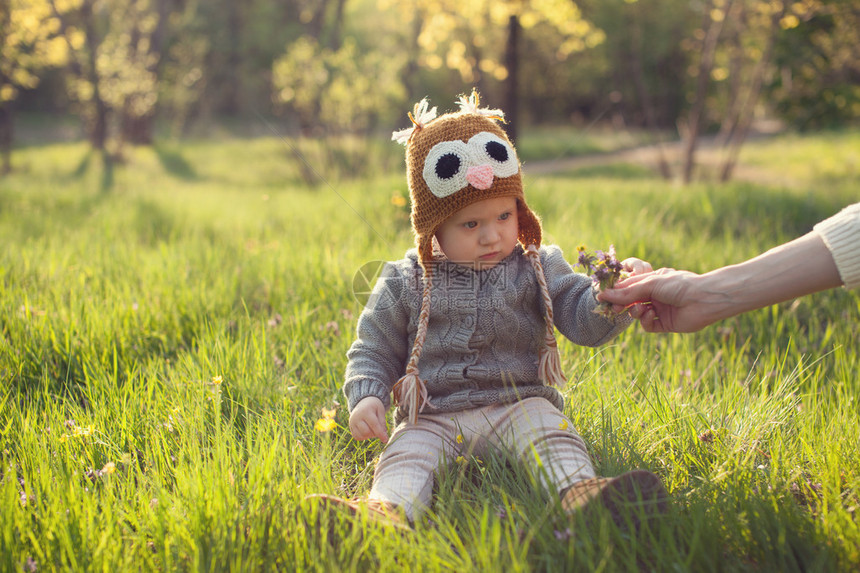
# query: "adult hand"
633,267
367,420
676,305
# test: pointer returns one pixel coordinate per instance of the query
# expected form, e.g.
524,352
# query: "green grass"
126,292
555,142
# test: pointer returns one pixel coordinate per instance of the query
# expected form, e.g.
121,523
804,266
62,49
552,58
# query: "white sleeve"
841,234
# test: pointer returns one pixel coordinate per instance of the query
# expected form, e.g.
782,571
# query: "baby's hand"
367,420
635,266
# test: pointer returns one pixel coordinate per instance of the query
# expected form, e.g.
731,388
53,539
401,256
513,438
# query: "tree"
116,48
757,29
817,64
343,91
148,36
735,45
481,40
713,20
83,25
29,43
643,67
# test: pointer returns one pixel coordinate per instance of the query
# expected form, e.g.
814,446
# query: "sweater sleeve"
574,303
841,234
377,357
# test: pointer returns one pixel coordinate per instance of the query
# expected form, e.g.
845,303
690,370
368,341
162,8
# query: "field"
171,328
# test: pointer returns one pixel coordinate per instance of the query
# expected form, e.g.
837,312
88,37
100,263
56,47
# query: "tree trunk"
315,27
706,65
736,79
635,61
7,132
139,129
334,37
232,99
744,119
98,128
410,72
512,63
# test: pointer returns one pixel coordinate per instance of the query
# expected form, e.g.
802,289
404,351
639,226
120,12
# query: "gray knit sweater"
484,334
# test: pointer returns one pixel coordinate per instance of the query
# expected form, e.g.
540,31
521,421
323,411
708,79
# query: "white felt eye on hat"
445,167
448,162
491,149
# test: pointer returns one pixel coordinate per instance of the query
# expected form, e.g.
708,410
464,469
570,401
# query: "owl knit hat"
453,161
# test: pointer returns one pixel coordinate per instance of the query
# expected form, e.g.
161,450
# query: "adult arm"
682,301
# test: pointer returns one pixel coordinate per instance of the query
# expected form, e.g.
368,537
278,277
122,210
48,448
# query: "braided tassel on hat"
410,392
549,366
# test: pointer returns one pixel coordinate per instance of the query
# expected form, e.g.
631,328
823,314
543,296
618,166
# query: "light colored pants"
532,429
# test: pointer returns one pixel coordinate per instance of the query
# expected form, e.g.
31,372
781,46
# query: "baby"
462,331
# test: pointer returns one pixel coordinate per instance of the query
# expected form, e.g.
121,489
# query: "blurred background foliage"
135,70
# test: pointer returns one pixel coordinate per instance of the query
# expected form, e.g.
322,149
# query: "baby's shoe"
379,512
629,498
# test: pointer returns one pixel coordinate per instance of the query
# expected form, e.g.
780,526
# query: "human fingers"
628,292
360,430
636,266
367,430
650,321
649,276
637,288
358,427
377,425
636,310
368,424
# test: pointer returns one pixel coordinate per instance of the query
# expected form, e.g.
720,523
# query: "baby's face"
480,235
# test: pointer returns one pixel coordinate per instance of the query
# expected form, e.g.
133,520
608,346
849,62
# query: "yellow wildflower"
88,431
563,425
459,438
325,425
109,468
217,379
460,460
329,414
398,200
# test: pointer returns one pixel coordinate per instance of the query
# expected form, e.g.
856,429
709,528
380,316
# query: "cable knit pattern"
841,234
484,334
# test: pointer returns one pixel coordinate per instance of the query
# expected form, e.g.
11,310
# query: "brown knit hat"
453,161
456,160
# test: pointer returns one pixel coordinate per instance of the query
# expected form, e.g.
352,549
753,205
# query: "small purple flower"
563,535
584,259
605,270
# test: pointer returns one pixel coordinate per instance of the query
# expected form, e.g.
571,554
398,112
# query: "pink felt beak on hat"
480,176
